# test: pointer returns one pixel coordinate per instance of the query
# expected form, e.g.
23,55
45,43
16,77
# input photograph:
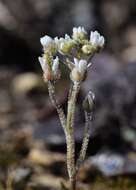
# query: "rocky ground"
32,143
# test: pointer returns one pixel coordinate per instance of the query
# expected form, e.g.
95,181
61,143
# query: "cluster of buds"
77,48
65,45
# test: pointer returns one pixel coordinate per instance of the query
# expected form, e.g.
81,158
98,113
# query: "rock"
129,55
130,36
46,181
113,164
21,174
108,164
24,83
45,158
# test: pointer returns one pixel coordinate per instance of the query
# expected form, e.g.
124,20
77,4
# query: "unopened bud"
79,33
66,47
88,103
48,44
87,49
76,75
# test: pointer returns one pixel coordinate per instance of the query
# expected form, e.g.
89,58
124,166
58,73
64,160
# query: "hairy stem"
88,119
73,183
59,109
70,134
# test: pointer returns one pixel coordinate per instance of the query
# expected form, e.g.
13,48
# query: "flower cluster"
77,49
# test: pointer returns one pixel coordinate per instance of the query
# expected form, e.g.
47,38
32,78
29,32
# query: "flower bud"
87,49
96,39
48,44
79,33
46,41
88,103
45,65
76,75
66,47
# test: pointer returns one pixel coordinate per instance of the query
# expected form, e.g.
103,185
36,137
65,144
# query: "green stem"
88,118
70,133
59,109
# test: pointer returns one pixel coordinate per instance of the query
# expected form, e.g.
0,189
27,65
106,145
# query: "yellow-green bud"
66,47
87,49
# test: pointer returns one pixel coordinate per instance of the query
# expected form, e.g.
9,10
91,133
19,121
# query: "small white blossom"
67,37
79,69
79,30
43,64
96,39
81,65
55,65
79,33
46,41
50,72
58,41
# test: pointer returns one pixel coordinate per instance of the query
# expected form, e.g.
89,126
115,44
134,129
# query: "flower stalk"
55,103
82,154
76,52
70,131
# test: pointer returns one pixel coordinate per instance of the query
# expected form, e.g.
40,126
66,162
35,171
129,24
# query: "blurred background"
32,143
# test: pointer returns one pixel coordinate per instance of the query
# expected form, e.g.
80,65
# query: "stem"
88,119
70,134
73,183
59,109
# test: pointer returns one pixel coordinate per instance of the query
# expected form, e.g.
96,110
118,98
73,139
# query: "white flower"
79,70
67,37
81,65
55,65
96,39
43,64
79,30
55,69
79,33
58,41
46,41
52,72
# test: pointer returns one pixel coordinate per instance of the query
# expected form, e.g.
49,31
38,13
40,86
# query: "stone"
24,83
